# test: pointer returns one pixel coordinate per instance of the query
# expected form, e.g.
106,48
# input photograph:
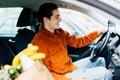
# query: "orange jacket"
54,45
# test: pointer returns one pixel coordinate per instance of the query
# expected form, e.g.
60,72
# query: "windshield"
78,23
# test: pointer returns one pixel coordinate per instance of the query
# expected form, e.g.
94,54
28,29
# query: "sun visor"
26,18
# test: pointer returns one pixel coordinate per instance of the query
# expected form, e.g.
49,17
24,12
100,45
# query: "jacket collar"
50,34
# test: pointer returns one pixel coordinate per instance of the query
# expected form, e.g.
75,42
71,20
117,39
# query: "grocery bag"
38,71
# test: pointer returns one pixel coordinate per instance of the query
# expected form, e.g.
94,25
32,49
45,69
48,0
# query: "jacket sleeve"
78,42
46,59
43,50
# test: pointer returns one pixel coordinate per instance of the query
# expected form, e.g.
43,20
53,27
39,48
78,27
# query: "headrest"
26,18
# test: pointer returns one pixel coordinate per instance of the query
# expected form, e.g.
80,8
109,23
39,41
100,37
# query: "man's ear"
45,19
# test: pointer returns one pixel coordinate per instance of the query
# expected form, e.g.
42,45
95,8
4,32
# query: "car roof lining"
33,4
79,5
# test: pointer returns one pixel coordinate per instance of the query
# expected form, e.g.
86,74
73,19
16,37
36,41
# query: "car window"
8,21
72,21
78,23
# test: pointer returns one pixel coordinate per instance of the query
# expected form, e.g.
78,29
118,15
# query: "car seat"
24,35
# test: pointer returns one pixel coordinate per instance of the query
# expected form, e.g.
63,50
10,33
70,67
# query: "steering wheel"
100,45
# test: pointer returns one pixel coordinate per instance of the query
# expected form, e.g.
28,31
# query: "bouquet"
27,65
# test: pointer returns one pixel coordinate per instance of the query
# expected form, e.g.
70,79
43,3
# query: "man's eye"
57,17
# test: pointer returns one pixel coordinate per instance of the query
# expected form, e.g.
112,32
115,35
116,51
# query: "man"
53,41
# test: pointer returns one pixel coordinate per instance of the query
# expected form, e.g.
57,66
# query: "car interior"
24,35
107,46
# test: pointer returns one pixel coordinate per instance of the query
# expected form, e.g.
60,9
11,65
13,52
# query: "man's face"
53,22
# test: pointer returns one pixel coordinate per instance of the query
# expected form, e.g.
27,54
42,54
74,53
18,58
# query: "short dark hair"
45,10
